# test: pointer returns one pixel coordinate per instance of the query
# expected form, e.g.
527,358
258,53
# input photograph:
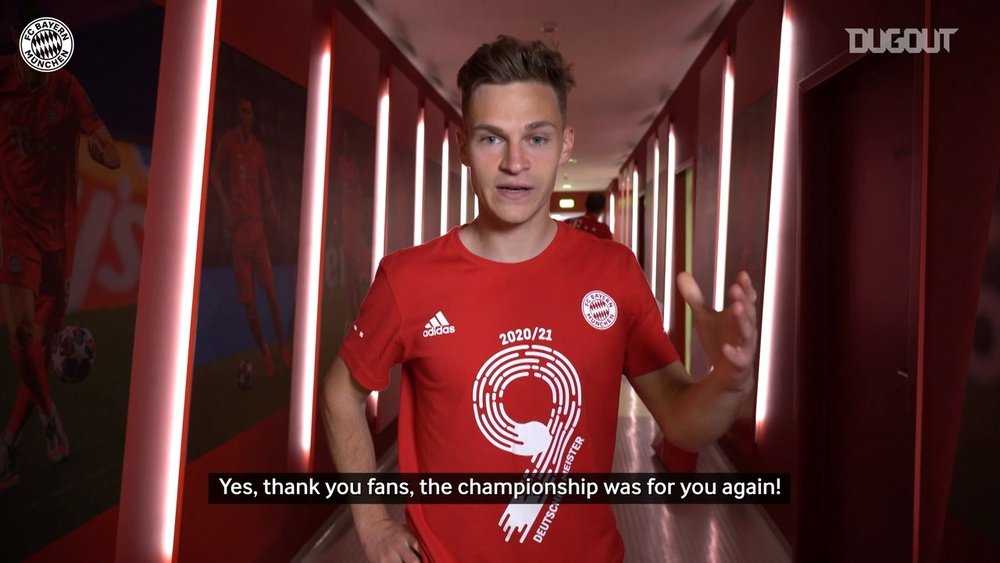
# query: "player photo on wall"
75,140
249,251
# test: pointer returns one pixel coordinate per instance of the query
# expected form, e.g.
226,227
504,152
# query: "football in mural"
73,354
244,378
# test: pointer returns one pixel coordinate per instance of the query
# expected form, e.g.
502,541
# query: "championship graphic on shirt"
549,444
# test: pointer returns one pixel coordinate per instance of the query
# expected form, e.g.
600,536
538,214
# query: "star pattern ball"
73,354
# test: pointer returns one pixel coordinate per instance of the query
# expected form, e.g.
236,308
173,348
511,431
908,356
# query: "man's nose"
514,160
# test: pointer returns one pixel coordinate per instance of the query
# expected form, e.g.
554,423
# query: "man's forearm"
349,437
702,412
692,415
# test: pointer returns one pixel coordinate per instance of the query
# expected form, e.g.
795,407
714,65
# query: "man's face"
514,141
245,111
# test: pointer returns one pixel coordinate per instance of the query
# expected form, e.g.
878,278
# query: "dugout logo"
46,44
599,309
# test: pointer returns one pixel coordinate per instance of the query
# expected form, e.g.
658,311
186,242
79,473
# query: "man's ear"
567,144
463,144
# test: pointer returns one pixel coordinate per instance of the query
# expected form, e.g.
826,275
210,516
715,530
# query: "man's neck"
510,245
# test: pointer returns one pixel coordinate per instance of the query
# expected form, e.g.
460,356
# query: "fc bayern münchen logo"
46,44
599,309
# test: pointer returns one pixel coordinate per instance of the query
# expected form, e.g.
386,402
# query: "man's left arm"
693,415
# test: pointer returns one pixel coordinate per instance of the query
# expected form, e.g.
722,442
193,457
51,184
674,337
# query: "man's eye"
538,140
491,139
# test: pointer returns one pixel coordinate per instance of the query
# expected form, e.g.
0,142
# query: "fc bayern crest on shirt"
46,44
599,309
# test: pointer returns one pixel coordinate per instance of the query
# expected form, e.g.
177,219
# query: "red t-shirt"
509,368
590,224
38,152
244,168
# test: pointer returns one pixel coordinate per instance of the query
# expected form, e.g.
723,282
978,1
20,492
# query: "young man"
240,158
513,332
589,221
42,117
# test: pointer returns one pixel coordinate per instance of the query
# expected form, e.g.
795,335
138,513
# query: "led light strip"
463,213
668,266
634,227
314,205
185,292
656,212
445,169
774,224
381,170
418,184
725,161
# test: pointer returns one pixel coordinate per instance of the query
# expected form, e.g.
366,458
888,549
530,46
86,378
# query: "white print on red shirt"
546,443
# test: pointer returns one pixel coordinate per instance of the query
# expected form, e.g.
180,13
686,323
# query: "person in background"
590,221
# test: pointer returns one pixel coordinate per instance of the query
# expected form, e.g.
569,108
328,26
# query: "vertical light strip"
656,213
463,213
634,227
611,213
192,221
475,207
725,158
668,266
774,224
310,254
445,169
381,172
418,184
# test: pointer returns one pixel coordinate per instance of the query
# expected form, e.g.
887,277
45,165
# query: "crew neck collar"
548,251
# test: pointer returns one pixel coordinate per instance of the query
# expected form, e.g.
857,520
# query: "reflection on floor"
653,533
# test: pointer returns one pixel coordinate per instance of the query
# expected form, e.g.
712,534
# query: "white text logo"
46,44
438,325
896,40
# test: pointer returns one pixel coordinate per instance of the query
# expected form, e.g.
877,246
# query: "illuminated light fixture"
634,227
445,169
567,186
668,263
611,213
572,160
567,203
463,211
775,227
185,290
307,310
725,160
381,172
418,184
656,210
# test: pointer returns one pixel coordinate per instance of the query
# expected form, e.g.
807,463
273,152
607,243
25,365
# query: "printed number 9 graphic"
544,442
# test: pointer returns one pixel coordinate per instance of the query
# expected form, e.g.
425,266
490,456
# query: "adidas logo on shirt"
438,325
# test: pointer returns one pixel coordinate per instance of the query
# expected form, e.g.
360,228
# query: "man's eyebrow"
529,127
539,125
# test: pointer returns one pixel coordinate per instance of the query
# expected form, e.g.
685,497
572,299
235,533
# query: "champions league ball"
73,354
244,377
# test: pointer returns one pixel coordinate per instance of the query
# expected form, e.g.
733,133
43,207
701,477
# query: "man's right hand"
388,541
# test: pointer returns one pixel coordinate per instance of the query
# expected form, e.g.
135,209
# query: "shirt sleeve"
648,347
83,108
373,344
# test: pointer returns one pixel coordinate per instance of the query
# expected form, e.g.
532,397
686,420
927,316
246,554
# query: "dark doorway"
859,258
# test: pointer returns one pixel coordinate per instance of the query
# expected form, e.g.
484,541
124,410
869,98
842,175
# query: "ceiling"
628,56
